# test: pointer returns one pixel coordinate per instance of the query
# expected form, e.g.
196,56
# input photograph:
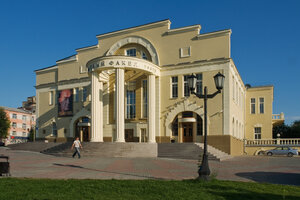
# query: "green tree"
4,124
282,129
295,129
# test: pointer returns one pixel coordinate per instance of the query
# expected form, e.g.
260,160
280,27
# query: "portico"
99,68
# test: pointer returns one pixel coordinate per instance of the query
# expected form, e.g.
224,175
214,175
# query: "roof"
15,110
164,20
259,86
72,57
45,68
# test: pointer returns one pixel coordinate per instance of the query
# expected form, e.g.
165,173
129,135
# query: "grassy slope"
12,188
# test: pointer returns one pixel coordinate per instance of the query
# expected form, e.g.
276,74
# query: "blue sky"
265,38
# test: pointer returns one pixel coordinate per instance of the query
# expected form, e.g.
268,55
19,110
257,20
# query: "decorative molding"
184,29
87,48
182,106
185,52
67,59
135,29
214,34
122,62
138,40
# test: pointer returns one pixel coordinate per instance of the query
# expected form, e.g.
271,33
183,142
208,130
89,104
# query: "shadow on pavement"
111,172
272,177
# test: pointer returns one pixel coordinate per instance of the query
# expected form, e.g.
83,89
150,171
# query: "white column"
151,108
97,109
120,105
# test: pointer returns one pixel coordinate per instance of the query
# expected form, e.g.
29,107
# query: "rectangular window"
24,134
199,84
261,105
175,87
24,117
252,105
76,94
14,116
130,105
145,99
24,126
131,52
257,133
84,94
14,133
14,125
199,125
186,86
51,98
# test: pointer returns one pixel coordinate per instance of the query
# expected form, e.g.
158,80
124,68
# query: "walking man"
77,146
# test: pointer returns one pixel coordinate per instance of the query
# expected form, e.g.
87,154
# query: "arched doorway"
82,129
187,126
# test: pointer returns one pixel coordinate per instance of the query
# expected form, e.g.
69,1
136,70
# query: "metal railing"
274,142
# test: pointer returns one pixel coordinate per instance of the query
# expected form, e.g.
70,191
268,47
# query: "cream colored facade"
124,90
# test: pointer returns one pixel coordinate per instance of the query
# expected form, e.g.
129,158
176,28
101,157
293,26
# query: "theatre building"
132,87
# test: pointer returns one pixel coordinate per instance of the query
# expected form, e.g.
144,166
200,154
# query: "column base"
152,141
96,140
123,141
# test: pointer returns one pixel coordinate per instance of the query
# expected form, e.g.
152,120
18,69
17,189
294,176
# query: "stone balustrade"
274,142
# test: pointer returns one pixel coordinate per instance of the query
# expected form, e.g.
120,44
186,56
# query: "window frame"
131,101
144,99
252,106
129,49
199,82
261,105
257,135
186,89
174,87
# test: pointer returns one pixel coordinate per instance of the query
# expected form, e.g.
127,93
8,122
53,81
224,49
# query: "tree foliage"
4,124
286,131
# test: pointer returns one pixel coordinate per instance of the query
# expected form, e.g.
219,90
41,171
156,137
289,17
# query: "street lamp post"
204,170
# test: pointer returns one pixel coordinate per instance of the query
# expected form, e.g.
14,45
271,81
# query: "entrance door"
85,133
187,129
129,135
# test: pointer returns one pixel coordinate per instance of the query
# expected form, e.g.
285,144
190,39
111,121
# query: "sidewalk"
282,170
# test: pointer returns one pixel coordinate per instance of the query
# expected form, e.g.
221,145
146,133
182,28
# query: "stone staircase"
33,146
106,149
190,151
220,155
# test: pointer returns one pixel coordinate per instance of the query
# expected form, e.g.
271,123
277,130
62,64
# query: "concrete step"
183,151
33,146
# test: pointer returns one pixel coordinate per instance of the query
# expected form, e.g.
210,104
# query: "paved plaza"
280,170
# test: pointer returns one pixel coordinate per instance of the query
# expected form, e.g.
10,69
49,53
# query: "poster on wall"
65,103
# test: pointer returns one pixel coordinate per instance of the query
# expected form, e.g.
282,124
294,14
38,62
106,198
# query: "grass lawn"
14,188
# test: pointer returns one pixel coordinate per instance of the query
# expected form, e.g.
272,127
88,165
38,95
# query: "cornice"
195,63
134,29
184,29
214,34
87,48
67,59
46,69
